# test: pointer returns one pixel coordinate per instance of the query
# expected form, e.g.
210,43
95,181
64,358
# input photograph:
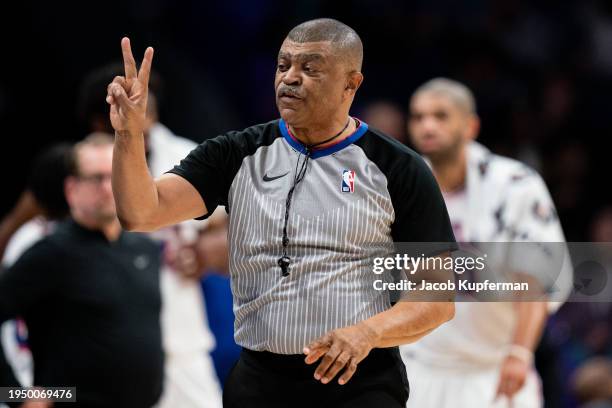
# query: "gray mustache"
288,90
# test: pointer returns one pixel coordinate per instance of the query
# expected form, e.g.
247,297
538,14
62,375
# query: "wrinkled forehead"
308,51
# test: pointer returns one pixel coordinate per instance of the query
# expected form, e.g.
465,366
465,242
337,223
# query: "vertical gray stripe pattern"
333,237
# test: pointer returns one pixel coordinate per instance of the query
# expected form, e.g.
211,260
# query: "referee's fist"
340,349
127,95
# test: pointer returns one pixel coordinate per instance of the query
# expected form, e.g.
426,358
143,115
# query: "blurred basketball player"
484,357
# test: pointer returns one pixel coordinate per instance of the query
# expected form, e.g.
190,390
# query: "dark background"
541,72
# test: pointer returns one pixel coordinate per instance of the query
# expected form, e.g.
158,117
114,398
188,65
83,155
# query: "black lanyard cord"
284,261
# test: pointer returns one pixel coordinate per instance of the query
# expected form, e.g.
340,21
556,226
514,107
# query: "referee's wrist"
372,331
128,134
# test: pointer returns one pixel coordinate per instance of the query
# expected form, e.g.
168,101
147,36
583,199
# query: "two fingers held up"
340,350
127,95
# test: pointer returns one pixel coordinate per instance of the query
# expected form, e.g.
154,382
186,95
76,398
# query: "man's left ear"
354,82
473,127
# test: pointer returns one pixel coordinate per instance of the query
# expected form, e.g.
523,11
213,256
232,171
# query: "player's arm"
26,286
537,218
531,317
530,320
7,376
531,310
143,203
24,210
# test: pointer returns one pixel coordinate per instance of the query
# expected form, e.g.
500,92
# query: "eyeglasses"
97,179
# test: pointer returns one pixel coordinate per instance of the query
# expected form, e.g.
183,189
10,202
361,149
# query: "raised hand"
127,95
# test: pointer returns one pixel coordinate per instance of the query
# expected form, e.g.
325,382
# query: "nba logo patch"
348,181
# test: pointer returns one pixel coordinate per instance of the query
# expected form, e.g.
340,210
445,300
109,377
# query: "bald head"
344,40
443,120
457,93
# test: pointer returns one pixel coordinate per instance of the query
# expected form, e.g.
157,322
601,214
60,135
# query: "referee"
310,197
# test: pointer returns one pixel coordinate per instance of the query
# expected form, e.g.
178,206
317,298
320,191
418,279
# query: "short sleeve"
211,167
534,216
534,219
420,212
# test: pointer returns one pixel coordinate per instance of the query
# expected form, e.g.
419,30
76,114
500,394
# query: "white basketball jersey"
479,332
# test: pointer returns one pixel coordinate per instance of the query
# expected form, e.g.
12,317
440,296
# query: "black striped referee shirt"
357,197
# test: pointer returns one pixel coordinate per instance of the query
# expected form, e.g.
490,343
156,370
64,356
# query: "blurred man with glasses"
89,294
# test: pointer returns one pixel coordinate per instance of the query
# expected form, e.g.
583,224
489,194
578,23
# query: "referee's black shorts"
264,379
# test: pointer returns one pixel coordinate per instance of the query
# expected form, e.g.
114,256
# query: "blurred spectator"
581,331
89,294
388,118
601,226
527,32
592,383
557,103
599,21
44,194
43,199
568,169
